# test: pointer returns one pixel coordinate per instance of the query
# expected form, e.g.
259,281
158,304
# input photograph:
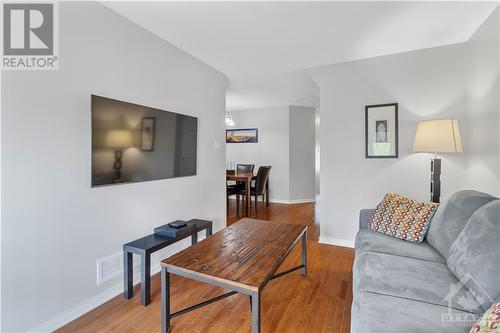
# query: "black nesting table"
144,247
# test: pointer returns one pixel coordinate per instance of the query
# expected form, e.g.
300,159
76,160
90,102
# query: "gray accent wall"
302,153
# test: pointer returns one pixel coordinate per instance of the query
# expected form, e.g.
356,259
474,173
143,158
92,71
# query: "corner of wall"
482,113
498,110
302,148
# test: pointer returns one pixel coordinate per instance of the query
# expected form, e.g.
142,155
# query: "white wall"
427,84
54,225
460,81
318,150
302,153
287,143
481,137
272,148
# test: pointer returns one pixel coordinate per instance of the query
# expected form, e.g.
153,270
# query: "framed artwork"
245,135
381,131
148,134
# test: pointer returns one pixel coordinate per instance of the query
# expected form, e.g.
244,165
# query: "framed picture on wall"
381,131
244,135
148,134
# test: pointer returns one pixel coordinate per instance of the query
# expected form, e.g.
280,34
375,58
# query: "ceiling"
262,47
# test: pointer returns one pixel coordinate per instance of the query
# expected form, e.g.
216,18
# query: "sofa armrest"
364,217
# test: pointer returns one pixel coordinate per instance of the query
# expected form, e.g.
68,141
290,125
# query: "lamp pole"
435,179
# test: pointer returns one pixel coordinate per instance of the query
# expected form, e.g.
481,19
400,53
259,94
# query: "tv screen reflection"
134,143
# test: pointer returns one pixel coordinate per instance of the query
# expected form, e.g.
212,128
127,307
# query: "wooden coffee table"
243,258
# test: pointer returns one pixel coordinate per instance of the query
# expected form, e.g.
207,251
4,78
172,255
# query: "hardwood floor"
320,302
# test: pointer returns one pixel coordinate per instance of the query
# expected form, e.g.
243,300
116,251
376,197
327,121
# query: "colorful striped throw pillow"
404,218
490,322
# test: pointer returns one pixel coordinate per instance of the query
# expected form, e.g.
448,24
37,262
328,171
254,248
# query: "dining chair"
233,190
259,189
243,168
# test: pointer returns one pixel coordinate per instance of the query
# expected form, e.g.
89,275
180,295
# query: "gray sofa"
399,286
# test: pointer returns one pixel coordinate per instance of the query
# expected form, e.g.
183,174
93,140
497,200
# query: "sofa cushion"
414,279
365,215
369,240
475,255
403,218
375,313
451,218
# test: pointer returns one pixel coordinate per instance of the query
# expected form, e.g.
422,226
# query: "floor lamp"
437,136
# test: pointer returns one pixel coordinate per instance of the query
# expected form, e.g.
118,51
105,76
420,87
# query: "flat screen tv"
135,143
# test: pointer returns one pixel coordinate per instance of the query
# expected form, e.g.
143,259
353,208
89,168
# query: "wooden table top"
240,176
246,254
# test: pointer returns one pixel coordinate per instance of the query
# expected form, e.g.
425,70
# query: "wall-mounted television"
135,143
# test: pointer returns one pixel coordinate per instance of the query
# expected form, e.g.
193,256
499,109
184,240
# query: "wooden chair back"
245,168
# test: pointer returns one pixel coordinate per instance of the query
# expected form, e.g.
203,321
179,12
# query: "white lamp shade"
438,136
118,139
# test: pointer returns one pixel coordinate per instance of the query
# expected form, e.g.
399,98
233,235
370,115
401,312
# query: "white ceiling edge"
270,69
107,3
274,107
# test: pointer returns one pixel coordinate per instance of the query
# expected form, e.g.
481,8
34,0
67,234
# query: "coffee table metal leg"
255,312
165,300
194,238
304,253
145,278
128,275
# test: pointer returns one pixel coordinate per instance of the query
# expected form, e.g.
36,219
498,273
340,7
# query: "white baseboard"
92,303
291,202
78,310
336,242
86,306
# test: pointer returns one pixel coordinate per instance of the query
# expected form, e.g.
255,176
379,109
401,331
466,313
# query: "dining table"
246,178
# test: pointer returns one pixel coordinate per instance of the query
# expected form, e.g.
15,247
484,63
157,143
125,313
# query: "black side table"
144,247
